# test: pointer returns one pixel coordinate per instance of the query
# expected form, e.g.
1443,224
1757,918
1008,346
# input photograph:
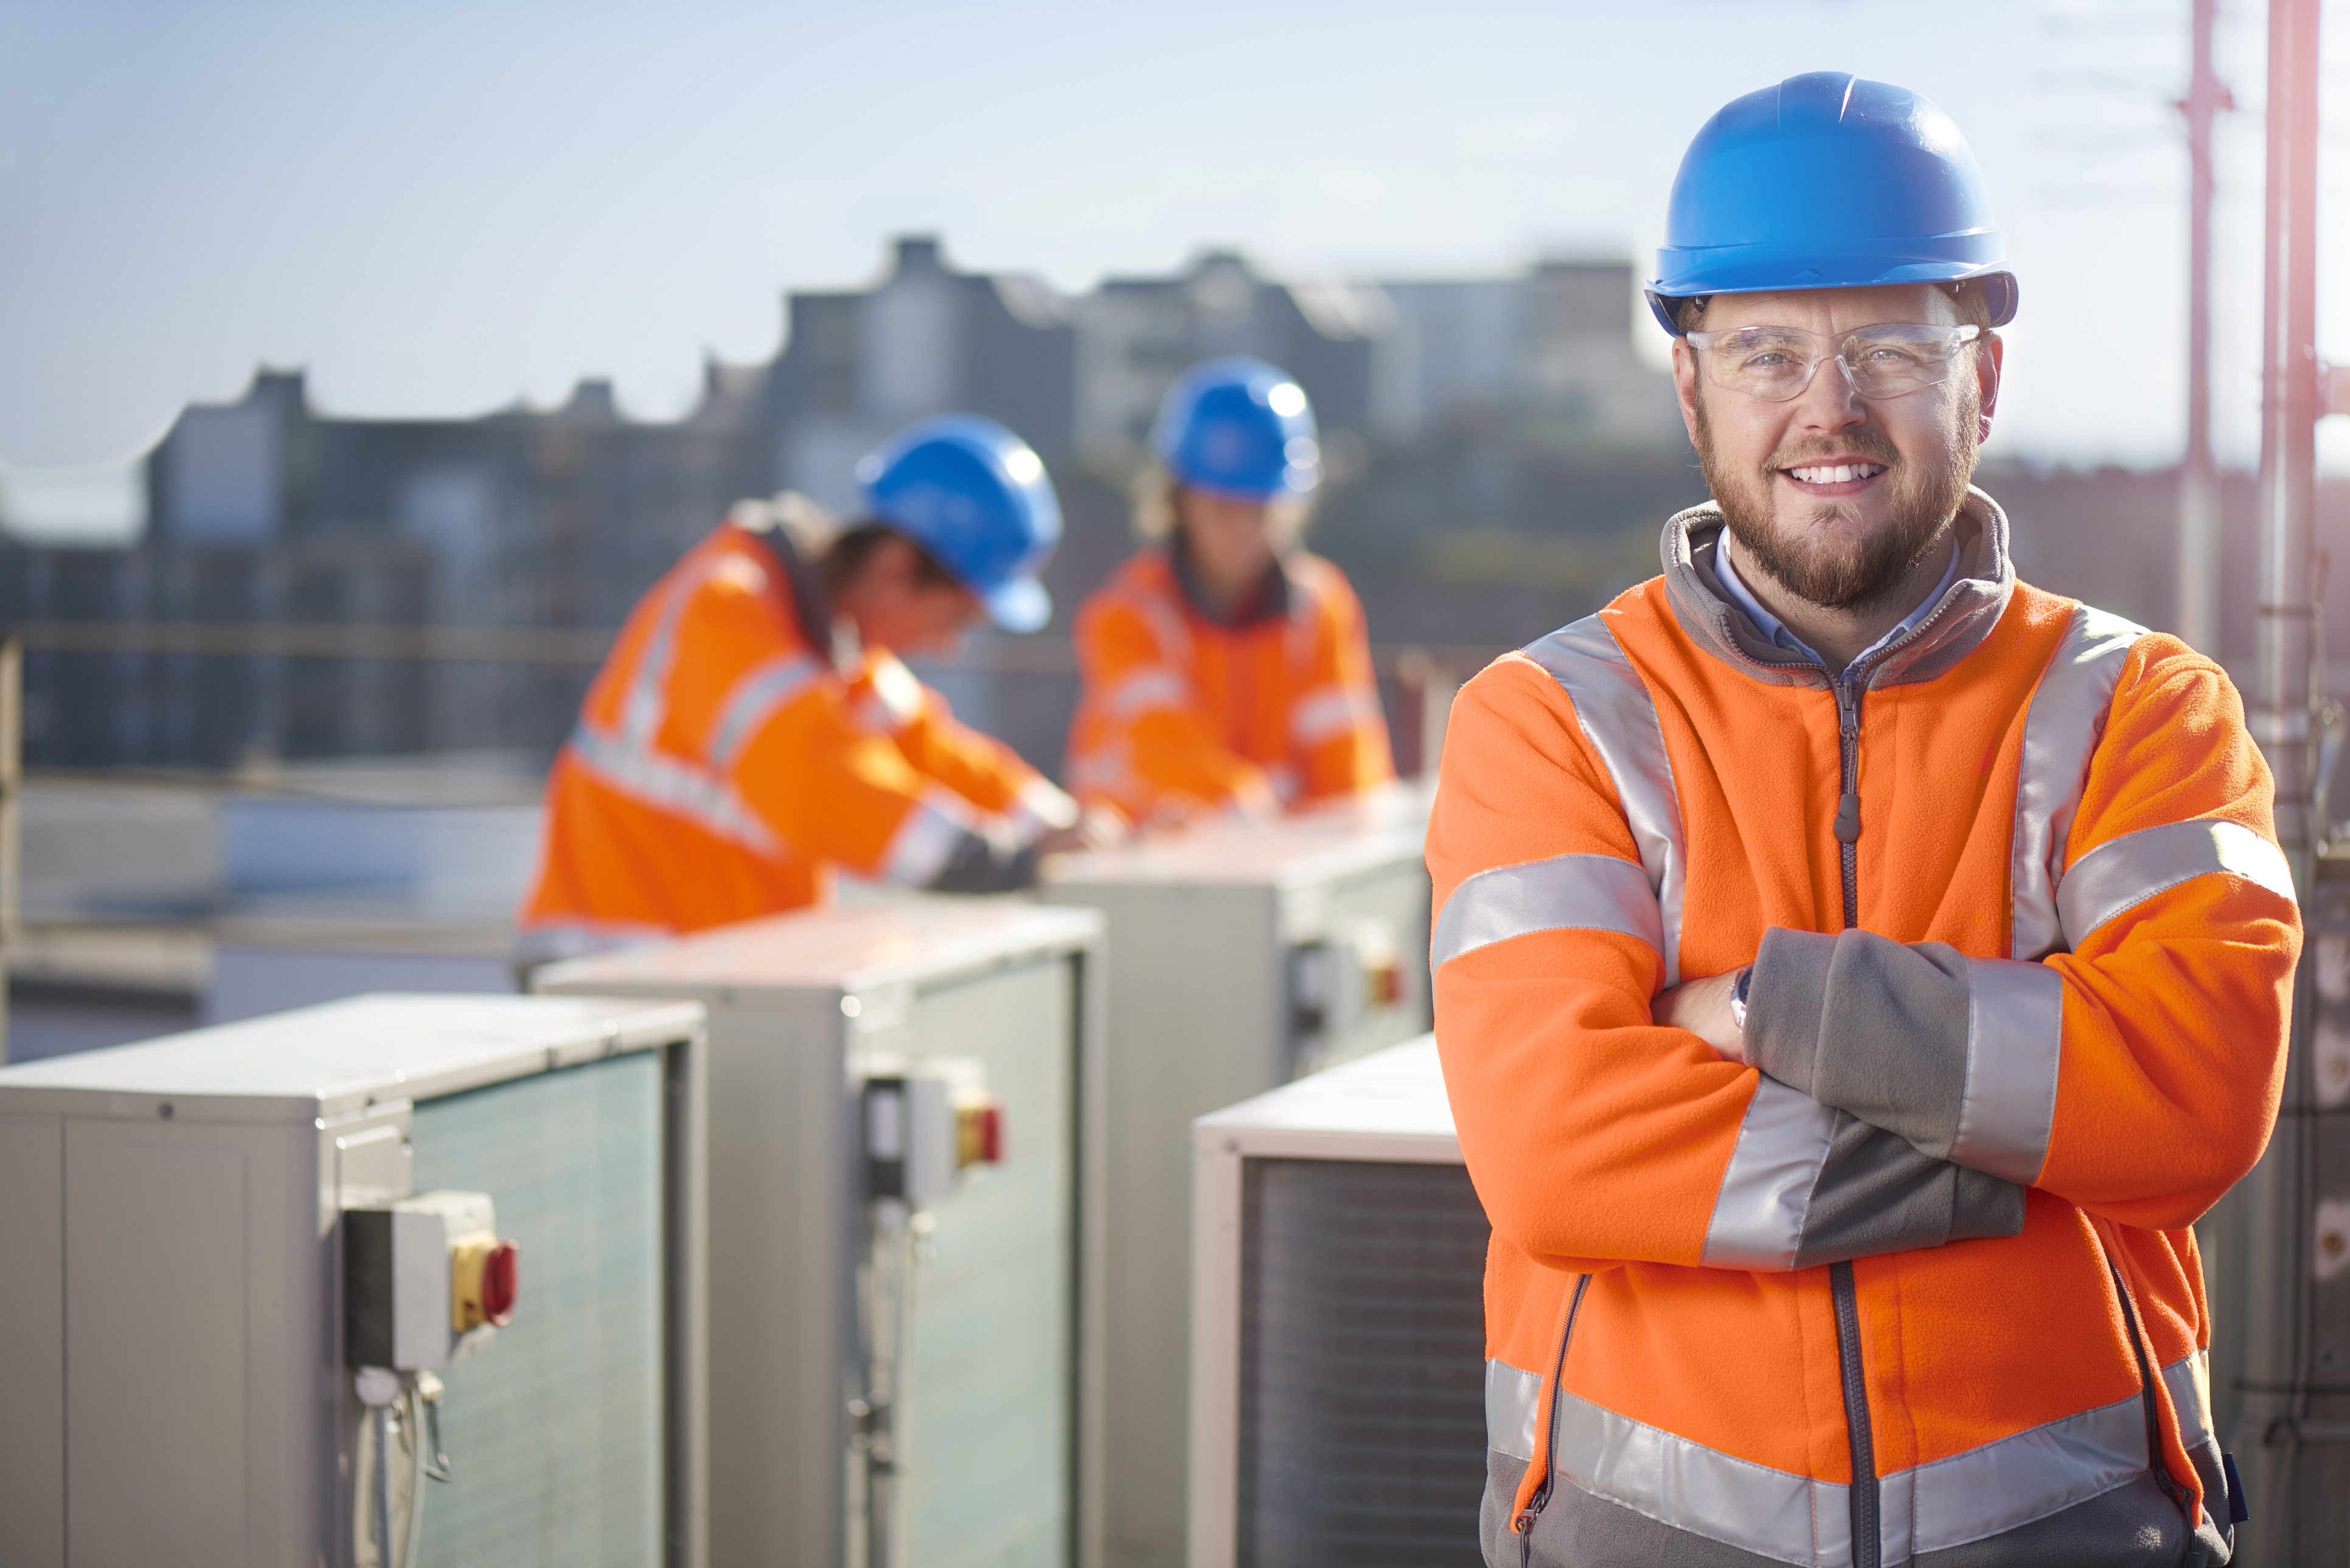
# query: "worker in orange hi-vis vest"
1226,671
754,727
1857,970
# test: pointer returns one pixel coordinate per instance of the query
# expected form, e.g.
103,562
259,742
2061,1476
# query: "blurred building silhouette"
1484,437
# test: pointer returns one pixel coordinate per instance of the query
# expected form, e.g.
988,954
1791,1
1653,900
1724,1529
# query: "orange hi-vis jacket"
1918,1283
1183,714
723,762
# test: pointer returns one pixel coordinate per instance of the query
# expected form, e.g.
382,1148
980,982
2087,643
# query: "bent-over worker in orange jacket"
732,753
1856,969
1227,671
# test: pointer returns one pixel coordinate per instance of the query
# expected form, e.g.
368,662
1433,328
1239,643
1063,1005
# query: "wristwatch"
1738,997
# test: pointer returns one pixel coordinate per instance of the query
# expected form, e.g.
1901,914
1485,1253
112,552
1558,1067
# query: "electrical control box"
248,1265
1337,1324
903,1124
1240,957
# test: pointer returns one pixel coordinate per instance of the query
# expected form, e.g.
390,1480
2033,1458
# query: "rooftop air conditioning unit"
1337,1326
408,1280
1241,956
901,1120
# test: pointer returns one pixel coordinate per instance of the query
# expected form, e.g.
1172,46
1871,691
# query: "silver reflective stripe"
1686,1485
2187,1378
1790,1518
2122,873
1145,690
763,692
646,702
1512,1401
677,787
1618,717
2003,1485
1757,1217
1565,893
1331,711
2061,729
926,840
2015,1044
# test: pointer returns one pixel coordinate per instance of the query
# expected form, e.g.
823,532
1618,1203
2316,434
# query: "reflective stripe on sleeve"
763,690
1788,1518
2188,1380
1758,1216
2060,733
2015,1039
673,786
1042,807
1146,690
1331,711
1566,892
1618,717
926,840
893,698
2120,874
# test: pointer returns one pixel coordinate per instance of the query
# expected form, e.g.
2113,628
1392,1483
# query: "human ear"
1685,384
1990,360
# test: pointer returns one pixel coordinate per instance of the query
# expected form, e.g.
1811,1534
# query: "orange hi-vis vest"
1918,1283
723,763
1183,714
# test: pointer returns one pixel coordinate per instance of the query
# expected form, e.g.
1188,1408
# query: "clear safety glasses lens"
1776,363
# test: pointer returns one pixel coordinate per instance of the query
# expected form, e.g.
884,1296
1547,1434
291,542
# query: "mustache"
1861,442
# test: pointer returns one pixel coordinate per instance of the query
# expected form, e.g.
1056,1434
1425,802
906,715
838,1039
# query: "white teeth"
1840,473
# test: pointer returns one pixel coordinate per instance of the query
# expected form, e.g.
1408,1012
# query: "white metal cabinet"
173,1288
1337,1326
806,1008
1240,957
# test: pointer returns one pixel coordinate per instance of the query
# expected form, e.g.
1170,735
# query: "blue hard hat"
1240,428
975,496
1828,181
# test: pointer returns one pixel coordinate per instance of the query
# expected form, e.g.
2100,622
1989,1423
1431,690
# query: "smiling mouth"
1834,472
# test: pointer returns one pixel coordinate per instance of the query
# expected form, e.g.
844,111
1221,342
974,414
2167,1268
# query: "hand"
1703,1007
1100,827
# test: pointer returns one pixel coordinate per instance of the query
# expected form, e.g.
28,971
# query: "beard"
1826,559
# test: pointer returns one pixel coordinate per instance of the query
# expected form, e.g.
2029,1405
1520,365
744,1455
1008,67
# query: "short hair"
1966,297
853,546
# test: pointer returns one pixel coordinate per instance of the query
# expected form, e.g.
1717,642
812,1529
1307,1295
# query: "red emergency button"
979,1132
501,1278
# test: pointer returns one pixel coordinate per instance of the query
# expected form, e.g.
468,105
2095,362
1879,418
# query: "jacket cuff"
1869,1025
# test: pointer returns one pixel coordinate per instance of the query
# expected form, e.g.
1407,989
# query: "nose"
1830,402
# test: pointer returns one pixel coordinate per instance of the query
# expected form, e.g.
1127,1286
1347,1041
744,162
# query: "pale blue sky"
436,207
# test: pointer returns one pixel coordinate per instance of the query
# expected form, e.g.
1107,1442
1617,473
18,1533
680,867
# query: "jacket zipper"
1524,1523
1847,816
1866,1548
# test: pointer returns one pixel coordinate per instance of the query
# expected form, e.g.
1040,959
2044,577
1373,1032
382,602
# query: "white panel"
32,1344
155,1416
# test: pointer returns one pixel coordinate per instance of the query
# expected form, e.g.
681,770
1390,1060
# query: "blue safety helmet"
1242,428
1828,181
975,496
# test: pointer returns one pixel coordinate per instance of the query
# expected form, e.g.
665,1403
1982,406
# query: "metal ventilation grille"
1362,1422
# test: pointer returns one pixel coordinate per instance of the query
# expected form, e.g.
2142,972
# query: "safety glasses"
1776,363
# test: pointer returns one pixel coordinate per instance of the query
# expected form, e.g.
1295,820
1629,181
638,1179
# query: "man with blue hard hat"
1227,671
754,727
1856,969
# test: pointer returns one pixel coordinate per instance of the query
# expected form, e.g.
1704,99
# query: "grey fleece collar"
1955,627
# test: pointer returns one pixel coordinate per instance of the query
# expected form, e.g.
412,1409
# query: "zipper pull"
1848,819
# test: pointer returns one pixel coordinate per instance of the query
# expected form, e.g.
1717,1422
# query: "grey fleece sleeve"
1956,1056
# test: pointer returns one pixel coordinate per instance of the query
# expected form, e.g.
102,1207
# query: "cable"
382,1499
417,1451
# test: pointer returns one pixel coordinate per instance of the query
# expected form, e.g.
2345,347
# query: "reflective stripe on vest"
1329,711
762,691
1620,718
2122,873
670,785
1146,690
1981,1492
646,702
1766,1188
2061,730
